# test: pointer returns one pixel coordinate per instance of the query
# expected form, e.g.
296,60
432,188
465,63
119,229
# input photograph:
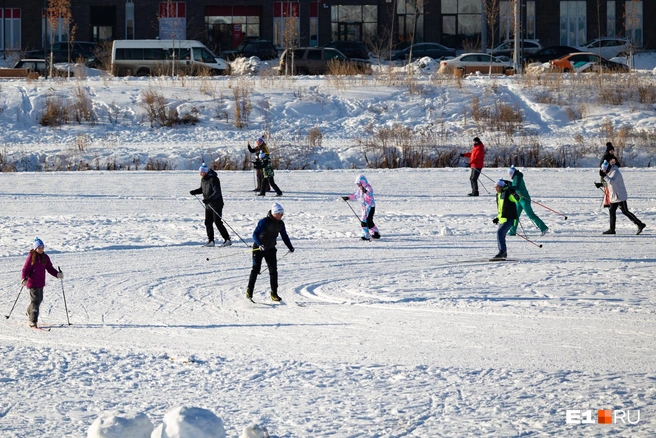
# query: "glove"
291,249
60,275
462,155
346,198
191,192
206,201
23,281
602,173
599,185
495,220
262,247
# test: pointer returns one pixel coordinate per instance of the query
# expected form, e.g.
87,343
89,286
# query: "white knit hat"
511,171
37,243
277,208
203,168
501,183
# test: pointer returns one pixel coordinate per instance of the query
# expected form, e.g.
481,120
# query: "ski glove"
599,185
191,192
206,201
346,198
602,173
60,275
291,249
23,281
262,247
462,155
495,220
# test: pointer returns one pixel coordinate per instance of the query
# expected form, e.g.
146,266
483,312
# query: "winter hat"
203,168
477,140
37,243
609,147
260,141
501,183
361,179
511,171
277,208
604,166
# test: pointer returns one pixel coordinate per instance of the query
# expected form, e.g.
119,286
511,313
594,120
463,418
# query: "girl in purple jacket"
34,276
365,194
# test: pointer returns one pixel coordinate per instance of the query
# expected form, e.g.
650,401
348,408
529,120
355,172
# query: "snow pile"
425,65
254,431
190,422
133,425
245,66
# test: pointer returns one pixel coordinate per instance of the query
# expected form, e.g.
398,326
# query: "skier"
506,215
260,146
268,172
365,193
34,277
618,196
524,202
264,247
210,188
609,155
476,159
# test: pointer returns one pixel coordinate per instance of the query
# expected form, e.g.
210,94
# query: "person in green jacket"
524,203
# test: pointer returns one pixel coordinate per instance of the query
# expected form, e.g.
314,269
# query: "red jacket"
476,156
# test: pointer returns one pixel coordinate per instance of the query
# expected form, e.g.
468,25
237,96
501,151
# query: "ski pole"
219,216
550,209
64,295
267,266
12,307
356,215
529,240
231,255
481,173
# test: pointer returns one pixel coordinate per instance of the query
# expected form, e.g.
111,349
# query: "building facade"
223,24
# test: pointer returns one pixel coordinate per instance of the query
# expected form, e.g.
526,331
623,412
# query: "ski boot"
275,297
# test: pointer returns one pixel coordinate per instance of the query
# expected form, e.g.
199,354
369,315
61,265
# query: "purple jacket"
36,273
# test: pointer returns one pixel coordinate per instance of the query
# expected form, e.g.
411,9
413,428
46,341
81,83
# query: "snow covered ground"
397,337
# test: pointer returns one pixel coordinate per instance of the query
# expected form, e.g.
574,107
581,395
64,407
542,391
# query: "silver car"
606,47
475,62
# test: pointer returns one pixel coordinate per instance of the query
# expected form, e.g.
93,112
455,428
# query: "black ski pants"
269,255
213,217
624,209
473,179
36,297
273,185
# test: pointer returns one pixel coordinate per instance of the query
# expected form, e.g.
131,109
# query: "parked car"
39,66
550,53
420,50
587,62
478,61
351,49
606,47
60,52
507,48
317,61
265,50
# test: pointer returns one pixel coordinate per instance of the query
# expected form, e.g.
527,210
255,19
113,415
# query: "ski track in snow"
389,338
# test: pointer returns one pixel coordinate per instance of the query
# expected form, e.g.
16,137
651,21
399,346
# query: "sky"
414,335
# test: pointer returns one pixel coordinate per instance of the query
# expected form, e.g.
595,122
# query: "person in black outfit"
210,188
264,247
260,146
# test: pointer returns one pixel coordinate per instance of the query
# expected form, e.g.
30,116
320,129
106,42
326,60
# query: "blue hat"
203,168
511,171
37,243
260,141
501,183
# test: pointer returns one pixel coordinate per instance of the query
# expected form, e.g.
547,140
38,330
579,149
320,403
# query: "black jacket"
210,187
267,230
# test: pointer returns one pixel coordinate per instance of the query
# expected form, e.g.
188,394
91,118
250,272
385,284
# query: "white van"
165,57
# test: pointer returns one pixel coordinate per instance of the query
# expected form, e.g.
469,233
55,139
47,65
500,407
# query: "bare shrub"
82,107
243,105
82,142
159,164
314,137
160,115
55,113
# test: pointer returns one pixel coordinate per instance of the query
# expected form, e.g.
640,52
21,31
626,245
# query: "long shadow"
183,326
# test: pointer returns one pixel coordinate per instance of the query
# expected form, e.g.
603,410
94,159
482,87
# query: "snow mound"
446,231
190,422
245,66
425,65
254,431
132,425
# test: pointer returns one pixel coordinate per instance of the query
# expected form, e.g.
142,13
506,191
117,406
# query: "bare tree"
418,9
60,10
290,40
492,18
632,18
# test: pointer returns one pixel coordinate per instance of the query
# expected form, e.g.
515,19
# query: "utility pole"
516,60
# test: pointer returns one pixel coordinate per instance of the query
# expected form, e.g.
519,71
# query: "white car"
606,47
476,61
507,48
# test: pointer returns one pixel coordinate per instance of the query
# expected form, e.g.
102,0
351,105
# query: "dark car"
420,50
318,61
39,66
351,49
550,53
265,50
60,52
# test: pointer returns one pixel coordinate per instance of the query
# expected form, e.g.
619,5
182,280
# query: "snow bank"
190,422
132,425
254,431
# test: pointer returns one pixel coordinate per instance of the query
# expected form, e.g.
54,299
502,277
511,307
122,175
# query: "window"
314,54
11,28
227,26
286,23
611,18
54,26
572,23
507,20
530,20
408,27
633,21
353,23
172,21
129,20
462,22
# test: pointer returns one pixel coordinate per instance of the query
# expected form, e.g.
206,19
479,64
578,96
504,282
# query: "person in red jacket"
476,159
34,277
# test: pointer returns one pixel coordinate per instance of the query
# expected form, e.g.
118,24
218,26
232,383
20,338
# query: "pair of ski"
262,303
484,260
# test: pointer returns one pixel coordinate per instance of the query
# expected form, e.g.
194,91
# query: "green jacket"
518,185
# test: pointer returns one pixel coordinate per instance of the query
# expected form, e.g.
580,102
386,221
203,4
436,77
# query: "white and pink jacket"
365,194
